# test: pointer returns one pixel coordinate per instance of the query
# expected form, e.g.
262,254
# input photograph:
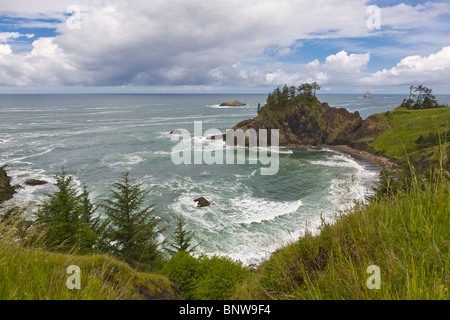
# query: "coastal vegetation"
423,100
118,252
403,231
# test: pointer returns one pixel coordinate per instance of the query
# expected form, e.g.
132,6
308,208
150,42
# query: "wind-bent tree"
306,88
411,88
425,98
133,230
419,89
315,87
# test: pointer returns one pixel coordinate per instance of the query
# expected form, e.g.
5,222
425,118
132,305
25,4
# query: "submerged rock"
233,103
34,182
202,202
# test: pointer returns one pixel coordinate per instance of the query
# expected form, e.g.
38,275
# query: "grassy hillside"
35,274
402,129
404,232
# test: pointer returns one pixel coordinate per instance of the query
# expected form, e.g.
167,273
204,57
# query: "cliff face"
5,186
306,121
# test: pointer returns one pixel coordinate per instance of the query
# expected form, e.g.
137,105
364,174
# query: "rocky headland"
305,121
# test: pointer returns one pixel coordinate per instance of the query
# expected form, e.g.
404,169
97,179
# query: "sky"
252,46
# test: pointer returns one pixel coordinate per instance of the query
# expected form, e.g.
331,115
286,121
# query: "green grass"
402,128
36,274
407,236
405,233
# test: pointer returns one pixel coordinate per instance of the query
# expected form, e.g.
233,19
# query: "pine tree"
92,227
182,239
133,228
59,215
315,86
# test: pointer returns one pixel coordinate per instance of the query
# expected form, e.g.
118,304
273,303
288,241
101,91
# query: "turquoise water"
98,137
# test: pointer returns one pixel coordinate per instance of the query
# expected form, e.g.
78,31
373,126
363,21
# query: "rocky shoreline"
365,156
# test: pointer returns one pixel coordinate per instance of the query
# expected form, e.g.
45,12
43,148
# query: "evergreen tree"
292,92
182,239
133,228
60,216
91,227
315,87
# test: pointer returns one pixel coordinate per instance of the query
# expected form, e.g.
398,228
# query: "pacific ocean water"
97,137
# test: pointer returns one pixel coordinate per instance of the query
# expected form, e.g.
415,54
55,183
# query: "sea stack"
367,95
233,103
202,202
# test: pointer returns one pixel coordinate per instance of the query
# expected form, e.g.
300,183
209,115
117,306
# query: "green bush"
220,275
183,270
205,278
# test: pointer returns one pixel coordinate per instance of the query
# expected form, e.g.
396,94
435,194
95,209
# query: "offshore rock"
34,182
202,202
233,103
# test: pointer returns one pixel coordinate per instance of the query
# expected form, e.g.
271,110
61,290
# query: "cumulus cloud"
434,68
6,36
342,68
192,42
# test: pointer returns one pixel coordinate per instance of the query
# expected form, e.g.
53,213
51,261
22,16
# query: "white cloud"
192,42
342,68
8,36
5,49
434,68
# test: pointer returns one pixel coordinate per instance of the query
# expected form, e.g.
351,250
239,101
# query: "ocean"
97,137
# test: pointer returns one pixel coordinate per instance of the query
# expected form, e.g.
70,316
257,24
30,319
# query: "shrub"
183,270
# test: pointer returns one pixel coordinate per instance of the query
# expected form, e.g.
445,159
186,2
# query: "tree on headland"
281,97
425,98
306,88
315,87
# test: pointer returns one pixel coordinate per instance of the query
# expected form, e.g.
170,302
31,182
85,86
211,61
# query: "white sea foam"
218,106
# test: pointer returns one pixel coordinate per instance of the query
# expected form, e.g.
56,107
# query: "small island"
367,95
233,103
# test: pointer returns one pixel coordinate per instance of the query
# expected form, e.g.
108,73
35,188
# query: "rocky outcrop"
5,180
6,190
233,103
367,95
202,202
34,182
306,121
